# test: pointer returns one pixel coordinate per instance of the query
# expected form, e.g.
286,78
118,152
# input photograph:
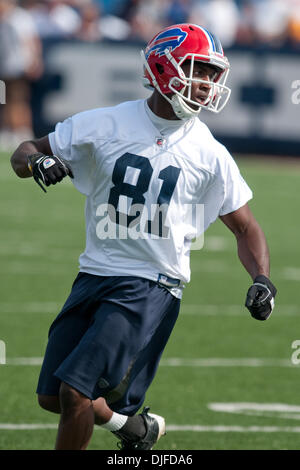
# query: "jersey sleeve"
236,191
70,142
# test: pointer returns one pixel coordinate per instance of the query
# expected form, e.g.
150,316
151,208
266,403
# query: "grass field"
217,355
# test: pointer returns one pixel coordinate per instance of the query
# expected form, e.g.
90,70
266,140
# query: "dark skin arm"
252,246
19,159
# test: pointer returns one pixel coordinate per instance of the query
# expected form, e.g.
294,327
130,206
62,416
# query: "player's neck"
161,107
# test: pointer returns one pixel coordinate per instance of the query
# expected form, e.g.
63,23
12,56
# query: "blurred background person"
113,22
111,7
53,18
147,18
245,34
270,21
90,16
220,16
20,64
27,24
294,23
178,11
98,21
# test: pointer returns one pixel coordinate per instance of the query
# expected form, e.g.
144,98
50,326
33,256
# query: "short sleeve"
236,191
69,142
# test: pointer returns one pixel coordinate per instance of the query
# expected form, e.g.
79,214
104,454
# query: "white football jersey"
145,191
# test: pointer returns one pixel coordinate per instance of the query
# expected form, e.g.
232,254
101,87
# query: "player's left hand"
260,298
48,169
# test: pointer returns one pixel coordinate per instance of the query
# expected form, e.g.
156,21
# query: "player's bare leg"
81,413
102,412
49,403
71,418
76,420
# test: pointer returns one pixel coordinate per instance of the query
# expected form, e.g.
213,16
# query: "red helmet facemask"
163,59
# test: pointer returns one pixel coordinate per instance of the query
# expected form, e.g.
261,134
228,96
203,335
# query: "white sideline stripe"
194,309
179,362
30,307
217,243
275,410
232,310
250,406
291,273
245,429
186,309
26,427
24,361
169,428
226,362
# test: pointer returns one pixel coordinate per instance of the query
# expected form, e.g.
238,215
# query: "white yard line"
217,243
211,310
26,427
291,273
233,310
169,428
24,361
250,406
180,362
30,307
244,429
225,362
271,410
186,309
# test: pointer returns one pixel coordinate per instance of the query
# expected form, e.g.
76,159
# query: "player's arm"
19,159
35,158
252,246
254,254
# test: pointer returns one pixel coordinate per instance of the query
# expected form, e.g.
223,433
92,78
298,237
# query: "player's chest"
148,173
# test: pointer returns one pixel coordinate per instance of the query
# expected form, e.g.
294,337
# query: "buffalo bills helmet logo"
170,39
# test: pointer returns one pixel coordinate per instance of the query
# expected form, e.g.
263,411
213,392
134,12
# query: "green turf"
42,236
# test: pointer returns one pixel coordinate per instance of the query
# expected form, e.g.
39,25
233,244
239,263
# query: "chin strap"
181,110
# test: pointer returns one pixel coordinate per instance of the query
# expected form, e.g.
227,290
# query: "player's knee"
49,403
71,399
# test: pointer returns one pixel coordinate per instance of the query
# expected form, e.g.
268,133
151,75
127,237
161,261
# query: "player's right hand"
260,298
48,169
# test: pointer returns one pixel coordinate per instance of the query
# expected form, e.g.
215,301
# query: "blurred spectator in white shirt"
220,17
270,21
53,18
20,64
148,18
114,28
95,25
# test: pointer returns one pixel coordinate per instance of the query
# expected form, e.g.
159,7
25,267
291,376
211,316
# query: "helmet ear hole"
160,68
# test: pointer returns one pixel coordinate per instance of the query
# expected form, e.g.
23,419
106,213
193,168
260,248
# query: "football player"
144,166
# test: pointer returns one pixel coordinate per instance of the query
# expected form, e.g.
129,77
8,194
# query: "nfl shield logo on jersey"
160,141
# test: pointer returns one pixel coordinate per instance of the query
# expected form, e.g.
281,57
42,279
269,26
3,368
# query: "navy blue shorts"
108,339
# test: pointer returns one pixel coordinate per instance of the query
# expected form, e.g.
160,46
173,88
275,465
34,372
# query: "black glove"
48,169
260,298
